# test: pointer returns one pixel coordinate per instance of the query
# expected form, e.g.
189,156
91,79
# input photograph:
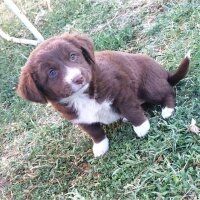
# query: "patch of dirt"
191,195
49,118
8,156
3,183
129,12
12,152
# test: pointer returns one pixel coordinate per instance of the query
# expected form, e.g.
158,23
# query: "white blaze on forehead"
71,74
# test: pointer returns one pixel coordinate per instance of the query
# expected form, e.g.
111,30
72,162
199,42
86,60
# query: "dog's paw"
143,129
167,112
101,148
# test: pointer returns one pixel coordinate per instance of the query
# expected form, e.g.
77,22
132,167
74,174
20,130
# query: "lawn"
42,156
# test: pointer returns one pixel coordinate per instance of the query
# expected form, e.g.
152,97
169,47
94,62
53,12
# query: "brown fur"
127,79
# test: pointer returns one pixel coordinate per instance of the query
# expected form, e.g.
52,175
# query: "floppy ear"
84,43
28,90
87,56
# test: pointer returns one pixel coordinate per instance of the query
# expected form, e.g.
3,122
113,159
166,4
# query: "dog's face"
57,68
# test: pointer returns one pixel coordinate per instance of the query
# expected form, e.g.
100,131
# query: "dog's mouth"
77,82
81,90
79,85
78,88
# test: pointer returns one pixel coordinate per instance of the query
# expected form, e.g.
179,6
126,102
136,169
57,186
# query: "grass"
45,157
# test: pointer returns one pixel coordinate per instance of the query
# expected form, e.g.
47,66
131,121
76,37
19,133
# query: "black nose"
78,79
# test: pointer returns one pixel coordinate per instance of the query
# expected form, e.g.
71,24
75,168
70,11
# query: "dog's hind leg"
164,96
168,105
134,113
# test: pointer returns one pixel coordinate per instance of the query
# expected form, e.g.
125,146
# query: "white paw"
142,130
101,148
167,112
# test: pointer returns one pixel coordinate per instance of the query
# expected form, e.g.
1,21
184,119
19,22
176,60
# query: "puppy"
90,88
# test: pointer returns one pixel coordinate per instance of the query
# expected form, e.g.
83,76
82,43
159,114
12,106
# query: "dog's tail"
174,78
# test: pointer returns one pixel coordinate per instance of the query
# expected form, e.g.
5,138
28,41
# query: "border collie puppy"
90,88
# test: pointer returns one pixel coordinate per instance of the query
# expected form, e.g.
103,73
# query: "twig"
17,40
24,19
49,5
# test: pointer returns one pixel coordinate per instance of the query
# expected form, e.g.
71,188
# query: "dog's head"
57,68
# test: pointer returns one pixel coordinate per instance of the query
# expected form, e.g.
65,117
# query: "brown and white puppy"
90,88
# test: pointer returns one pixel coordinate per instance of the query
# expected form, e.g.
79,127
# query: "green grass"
45,157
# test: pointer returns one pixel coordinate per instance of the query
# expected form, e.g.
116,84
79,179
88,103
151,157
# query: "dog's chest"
90,111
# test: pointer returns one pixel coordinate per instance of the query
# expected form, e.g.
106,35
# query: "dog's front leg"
134,113
100,141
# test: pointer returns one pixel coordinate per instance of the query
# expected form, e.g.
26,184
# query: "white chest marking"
90,111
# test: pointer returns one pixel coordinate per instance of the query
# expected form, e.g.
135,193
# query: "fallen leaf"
193,127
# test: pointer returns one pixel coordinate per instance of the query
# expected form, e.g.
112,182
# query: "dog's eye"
52,73
73,57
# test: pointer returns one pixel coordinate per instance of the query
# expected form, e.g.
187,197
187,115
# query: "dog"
93,88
